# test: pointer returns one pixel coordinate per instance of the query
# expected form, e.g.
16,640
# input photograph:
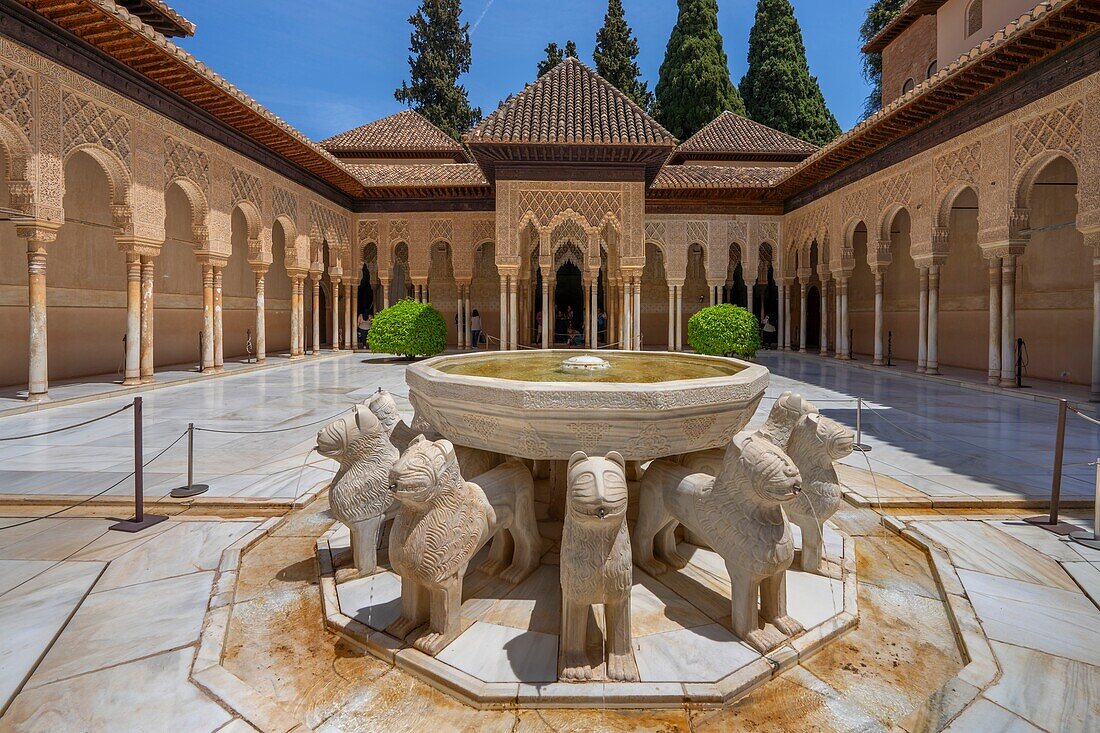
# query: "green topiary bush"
725,329
409,329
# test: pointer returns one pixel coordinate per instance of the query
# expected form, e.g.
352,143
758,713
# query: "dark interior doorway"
568,303
813,318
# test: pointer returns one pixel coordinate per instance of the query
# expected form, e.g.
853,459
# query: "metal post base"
132,525
862,448
1062,528
183,492
1086,538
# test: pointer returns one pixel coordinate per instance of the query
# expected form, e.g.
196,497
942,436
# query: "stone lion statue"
738,513
472,461
441,522
595,566
360,493
816,441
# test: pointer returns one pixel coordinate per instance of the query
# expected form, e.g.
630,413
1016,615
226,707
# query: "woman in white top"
363,326
475,326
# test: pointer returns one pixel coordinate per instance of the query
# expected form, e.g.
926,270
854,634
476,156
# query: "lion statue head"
334,440
784,414
824,437
756,464
596,487
384,407
424,471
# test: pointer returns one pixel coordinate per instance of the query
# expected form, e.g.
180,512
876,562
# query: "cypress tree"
777,88
878,16
695,85
555,55
440,48
616,56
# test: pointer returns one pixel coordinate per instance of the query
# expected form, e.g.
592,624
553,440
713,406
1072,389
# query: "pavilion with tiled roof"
407,134
732,137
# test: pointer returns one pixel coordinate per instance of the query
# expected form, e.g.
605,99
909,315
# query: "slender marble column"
219,332
207,316
845,329
467,317
348,317
671,318
261,322
295,317
302,316
146,319
1008,321
749,287
503,312
460,321
547,315
782,318
336,315
594,318
353,329
711,294
922,323
679,317
638,313
628,312
315,281
133,320
994,321
932,366
879,320
1094,395
513,312
802,292
37,369
824,295
838,340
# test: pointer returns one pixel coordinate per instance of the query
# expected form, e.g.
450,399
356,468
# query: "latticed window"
973,18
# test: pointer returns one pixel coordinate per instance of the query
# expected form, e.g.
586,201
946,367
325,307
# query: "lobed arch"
290,237
1024,185
252,218
15,151
118,176
200,208
887,219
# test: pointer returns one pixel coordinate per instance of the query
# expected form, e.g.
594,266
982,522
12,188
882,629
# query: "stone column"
671,317
547,315
302,316
513,311
335,314
638,313
354,328
133,320
37,367
146,319
295,317
711,293
679,317
503,312
460,321
802,292
824,297
261,323
845,329
348,317
749,287
932,366
628,329
781,326
1094,394
787,317
1008,320
469,331
922,323
994,321
838,339
385,293
207,316
593,315
315,280
219,345
879,320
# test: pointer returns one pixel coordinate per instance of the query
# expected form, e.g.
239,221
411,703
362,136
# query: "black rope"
71,427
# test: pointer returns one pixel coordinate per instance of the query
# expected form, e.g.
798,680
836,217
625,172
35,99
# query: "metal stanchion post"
1051,522
191,489
859,444
141,520
1084,537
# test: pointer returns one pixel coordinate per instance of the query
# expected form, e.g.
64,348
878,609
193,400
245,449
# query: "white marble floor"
947,442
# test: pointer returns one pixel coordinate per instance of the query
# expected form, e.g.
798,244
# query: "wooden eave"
1045,36
766,156
397,154
143,54
649,157
427,192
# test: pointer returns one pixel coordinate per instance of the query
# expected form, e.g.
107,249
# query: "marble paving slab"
1087,575
374,600
1054,693
701,654
34,613
984,716
1062,623
128,623
494,653
145,696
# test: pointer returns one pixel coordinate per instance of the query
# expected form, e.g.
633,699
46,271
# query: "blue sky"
329,65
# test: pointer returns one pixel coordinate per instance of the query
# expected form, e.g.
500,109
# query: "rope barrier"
70,427
1080,414
96,495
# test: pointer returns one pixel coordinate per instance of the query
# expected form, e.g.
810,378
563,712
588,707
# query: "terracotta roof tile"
405,132
571,104
731,133
716,176
434,175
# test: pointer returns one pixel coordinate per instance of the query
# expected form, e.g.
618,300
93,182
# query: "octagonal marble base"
508,651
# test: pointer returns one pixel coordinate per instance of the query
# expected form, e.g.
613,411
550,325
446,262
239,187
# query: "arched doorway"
964,289
813,318
568,302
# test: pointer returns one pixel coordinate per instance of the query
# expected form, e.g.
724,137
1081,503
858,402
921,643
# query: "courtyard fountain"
518,569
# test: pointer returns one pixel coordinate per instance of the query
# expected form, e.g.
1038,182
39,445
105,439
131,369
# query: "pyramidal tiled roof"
407,132
571,105
730,134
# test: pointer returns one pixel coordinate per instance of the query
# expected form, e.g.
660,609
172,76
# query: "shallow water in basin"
626,368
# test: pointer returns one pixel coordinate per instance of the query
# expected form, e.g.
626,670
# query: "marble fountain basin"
645,405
